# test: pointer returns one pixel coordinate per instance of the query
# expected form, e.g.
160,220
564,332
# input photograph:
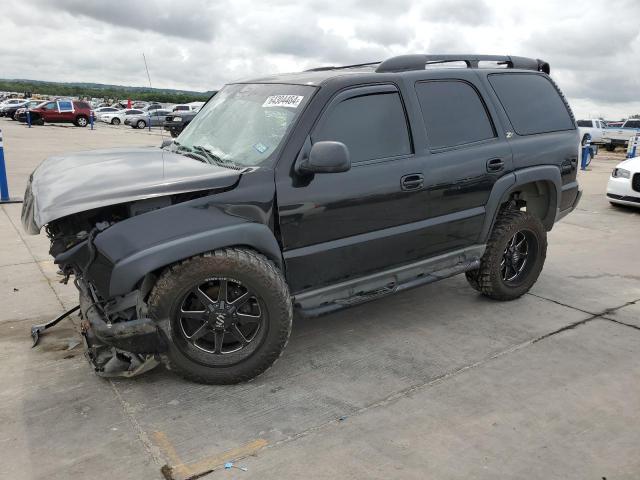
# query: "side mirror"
166,142
326,157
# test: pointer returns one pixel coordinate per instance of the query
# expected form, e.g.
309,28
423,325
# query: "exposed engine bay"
119,338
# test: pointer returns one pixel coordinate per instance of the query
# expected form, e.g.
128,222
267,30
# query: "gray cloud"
183,19
467,12
200,45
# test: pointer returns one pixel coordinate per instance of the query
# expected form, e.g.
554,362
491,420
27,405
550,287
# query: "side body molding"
509,183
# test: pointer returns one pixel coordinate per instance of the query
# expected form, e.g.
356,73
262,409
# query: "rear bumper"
563,213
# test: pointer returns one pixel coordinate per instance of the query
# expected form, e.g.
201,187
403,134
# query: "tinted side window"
371,126
532,103
453,113
584,123
632,124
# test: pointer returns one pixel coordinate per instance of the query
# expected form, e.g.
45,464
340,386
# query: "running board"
362,289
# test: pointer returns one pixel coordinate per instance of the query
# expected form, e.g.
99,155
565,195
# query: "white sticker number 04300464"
283,101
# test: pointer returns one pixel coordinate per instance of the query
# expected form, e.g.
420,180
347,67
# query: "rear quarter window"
532,103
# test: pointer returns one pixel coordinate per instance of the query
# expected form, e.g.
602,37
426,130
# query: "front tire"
228,315
81,121
115,121
514,257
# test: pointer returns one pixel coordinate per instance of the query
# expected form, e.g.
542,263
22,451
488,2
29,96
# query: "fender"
139,245
510,182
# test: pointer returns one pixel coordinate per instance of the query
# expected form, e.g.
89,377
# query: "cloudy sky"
593,46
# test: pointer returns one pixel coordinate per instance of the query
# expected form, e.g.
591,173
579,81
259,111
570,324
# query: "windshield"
244,124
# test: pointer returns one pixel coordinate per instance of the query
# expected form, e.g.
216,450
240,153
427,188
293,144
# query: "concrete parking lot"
437,382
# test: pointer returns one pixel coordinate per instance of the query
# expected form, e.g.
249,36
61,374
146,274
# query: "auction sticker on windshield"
291,101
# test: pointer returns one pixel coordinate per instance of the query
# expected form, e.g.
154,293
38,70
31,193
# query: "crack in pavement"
156,456
151,449
392,398
621,323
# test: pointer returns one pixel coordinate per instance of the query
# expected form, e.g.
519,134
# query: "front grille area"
635,182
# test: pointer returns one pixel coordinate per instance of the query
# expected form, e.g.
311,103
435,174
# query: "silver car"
155,117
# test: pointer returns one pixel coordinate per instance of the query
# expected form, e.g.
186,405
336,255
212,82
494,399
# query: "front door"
337,226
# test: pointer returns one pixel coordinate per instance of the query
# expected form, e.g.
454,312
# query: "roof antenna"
162,127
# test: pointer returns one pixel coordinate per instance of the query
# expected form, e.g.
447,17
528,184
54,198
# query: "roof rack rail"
322,69
405,63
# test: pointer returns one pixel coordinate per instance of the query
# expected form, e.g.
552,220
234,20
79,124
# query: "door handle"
495,165
414,181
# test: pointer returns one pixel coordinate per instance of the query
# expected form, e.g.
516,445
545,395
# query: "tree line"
106,92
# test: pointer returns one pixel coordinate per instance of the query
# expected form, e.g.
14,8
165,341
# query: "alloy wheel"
220,316
515,257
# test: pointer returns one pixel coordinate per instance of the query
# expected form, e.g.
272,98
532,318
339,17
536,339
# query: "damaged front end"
100,211
120,340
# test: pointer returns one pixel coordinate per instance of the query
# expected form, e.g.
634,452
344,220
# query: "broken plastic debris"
230,465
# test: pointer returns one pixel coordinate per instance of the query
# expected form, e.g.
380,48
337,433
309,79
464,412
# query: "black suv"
175,122
311,191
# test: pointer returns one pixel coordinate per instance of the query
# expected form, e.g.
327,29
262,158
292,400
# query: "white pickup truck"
619,136
594,127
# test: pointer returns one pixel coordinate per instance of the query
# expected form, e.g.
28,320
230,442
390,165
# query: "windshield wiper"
188,152
215,158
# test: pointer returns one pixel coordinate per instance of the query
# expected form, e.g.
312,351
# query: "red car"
59,112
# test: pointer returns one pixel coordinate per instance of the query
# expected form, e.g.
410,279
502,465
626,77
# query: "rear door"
465,155
342,225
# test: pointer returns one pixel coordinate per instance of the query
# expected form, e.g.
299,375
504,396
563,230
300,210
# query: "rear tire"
189,296
610,147
514,257
115,121
141,124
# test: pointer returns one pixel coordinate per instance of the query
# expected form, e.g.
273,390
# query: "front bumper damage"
122,349
120,340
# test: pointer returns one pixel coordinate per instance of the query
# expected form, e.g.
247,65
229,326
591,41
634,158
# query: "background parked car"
49,112
10,103
594,127
157,118
6,107
175,122
12,111
186,107
116,118
619,136
100,110
153,106
624,183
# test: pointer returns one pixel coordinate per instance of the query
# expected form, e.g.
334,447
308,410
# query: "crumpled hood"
76,182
